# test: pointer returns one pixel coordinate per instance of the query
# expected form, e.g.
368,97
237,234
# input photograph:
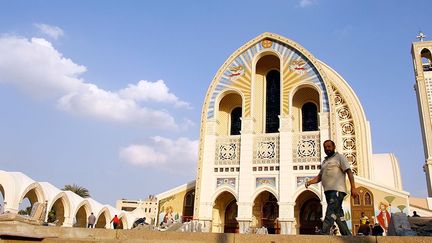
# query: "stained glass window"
236,114
309,117
272,101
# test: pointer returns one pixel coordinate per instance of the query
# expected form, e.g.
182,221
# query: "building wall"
279,163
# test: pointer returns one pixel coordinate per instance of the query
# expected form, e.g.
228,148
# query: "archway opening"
81,217
27,202
56,215
267,93
2,196
266,211
122,223
426,59
230,112
188,206
102,220
225,214
305,104
308,212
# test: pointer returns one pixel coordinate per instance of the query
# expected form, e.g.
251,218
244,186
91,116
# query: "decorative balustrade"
306,147
266,149
228,150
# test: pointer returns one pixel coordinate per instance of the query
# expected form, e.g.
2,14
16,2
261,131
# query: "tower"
422,60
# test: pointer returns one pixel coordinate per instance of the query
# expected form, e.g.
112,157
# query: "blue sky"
108,94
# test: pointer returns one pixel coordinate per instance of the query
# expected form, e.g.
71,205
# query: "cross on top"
421,36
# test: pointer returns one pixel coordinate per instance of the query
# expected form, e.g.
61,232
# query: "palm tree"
79,190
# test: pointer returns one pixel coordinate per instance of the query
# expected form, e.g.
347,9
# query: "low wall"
62,234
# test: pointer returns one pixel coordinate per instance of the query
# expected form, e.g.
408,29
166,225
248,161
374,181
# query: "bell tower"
422,60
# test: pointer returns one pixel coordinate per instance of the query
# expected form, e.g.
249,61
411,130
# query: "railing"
228,150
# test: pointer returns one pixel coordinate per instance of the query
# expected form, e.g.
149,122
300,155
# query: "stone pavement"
63,234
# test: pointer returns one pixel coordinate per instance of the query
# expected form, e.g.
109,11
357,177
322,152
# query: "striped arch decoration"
295,67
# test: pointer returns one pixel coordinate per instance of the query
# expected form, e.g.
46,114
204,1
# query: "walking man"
91,221
332,175
115,221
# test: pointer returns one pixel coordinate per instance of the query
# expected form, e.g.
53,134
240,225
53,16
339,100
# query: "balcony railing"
228,150
266,149
306,147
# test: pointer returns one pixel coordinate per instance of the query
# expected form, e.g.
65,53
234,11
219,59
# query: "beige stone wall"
61,234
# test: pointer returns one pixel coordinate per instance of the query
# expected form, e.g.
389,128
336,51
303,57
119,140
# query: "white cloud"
35,66
40,70
148,91
306,3
173,155
105,105
52,31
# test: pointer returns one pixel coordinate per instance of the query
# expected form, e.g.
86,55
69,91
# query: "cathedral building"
266,113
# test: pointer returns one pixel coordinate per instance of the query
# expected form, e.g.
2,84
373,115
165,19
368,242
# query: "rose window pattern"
266,149
306,147
347,126
343,113
228,151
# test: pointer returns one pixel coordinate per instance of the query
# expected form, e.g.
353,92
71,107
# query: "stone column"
286,217
287,184
207,185
246,182
324,128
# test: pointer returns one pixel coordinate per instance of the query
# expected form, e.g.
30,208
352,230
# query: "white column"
324,128
207,172
287,184
246,182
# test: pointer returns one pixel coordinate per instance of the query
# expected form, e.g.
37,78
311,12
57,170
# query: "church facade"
264,118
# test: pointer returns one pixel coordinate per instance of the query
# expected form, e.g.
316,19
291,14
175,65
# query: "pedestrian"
332,175
363,218
115,221
415,214
91,220
377,230
364,229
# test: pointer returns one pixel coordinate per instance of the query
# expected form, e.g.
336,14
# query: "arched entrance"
102,219
28,200
2,197
81,217
308,212
266,212
363,203
188,206
56,213
225,213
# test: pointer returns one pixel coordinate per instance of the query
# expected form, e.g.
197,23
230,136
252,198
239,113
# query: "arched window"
236,114
426,57
309,117
357,200
367,199
272,101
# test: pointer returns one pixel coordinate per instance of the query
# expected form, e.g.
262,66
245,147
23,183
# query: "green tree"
25,211
79,190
